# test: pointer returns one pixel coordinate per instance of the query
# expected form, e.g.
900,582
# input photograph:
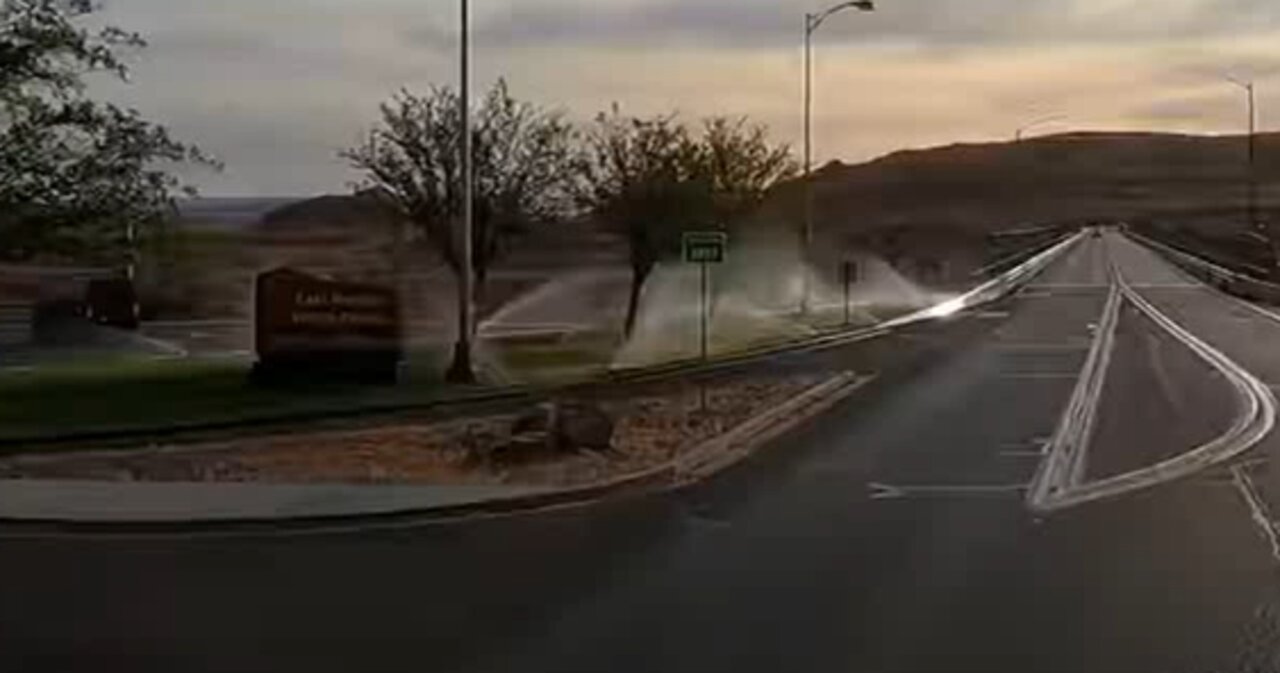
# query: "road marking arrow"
879,491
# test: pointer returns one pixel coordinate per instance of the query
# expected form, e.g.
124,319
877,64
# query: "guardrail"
989,291
1213,274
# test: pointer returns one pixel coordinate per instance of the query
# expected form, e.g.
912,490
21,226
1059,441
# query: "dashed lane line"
1257,509
881,491
1035,376
1033,347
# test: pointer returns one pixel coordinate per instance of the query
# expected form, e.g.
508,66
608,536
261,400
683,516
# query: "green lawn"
123,392
130,393
557,360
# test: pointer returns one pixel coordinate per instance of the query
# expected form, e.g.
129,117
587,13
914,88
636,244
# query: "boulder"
520,448
564,426
537,419
580,425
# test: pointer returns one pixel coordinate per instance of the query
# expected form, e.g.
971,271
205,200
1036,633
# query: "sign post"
849,273
703,248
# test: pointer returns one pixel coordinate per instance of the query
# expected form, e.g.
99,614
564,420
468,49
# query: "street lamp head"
815,20
863,5
1244,84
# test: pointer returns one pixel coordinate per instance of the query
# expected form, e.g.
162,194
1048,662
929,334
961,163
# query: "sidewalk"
157,502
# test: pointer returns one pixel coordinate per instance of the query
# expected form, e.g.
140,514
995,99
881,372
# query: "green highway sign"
704,247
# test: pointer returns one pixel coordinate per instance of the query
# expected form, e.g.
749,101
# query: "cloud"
275,88
925,23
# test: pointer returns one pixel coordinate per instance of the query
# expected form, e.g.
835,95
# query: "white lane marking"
1255,421
1266,312
1064,455
1257,509
1033,448
1068,286
1033,347
1034,376
881,491
1251,463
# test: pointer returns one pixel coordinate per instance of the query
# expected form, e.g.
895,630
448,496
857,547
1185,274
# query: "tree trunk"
461,371
638,277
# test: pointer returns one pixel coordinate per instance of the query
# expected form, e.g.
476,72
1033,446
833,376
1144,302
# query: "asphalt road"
890,534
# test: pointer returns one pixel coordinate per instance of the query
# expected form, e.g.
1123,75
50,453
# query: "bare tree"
653,179
641,177
741,166
525,163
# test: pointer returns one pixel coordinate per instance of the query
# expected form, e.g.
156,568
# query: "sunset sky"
276,87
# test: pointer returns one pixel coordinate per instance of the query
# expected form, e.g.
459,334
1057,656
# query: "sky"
275,88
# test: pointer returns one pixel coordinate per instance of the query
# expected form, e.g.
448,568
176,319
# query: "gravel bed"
652,425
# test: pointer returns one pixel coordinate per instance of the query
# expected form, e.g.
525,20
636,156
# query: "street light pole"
1017,136
460,371
1254,224
811,24
807,234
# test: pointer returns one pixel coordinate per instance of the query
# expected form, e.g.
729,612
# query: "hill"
228,213
1067,177
917,207
928,209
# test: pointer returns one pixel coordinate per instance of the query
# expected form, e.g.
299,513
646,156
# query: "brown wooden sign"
308,321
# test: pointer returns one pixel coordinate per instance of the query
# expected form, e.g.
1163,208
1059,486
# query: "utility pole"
806,239
460,371
1018,133
1253,174
1254,225
811,24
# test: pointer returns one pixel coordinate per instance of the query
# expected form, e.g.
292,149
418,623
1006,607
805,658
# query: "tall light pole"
1252,180
1017,135
811,24
1035,200
460,371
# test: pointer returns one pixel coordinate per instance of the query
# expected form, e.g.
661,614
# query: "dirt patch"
653,424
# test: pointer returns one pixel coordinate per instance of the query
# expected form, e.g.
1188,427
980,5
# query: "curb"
705,460
726,449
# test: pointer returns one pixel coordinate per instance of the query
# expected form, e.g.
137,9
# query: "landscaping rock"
572,442
537,419
523,447
579,425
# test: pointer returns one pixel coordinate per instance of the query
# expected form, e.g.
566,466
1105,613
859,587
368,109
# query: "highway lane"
1160,385
888,535
1245,332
